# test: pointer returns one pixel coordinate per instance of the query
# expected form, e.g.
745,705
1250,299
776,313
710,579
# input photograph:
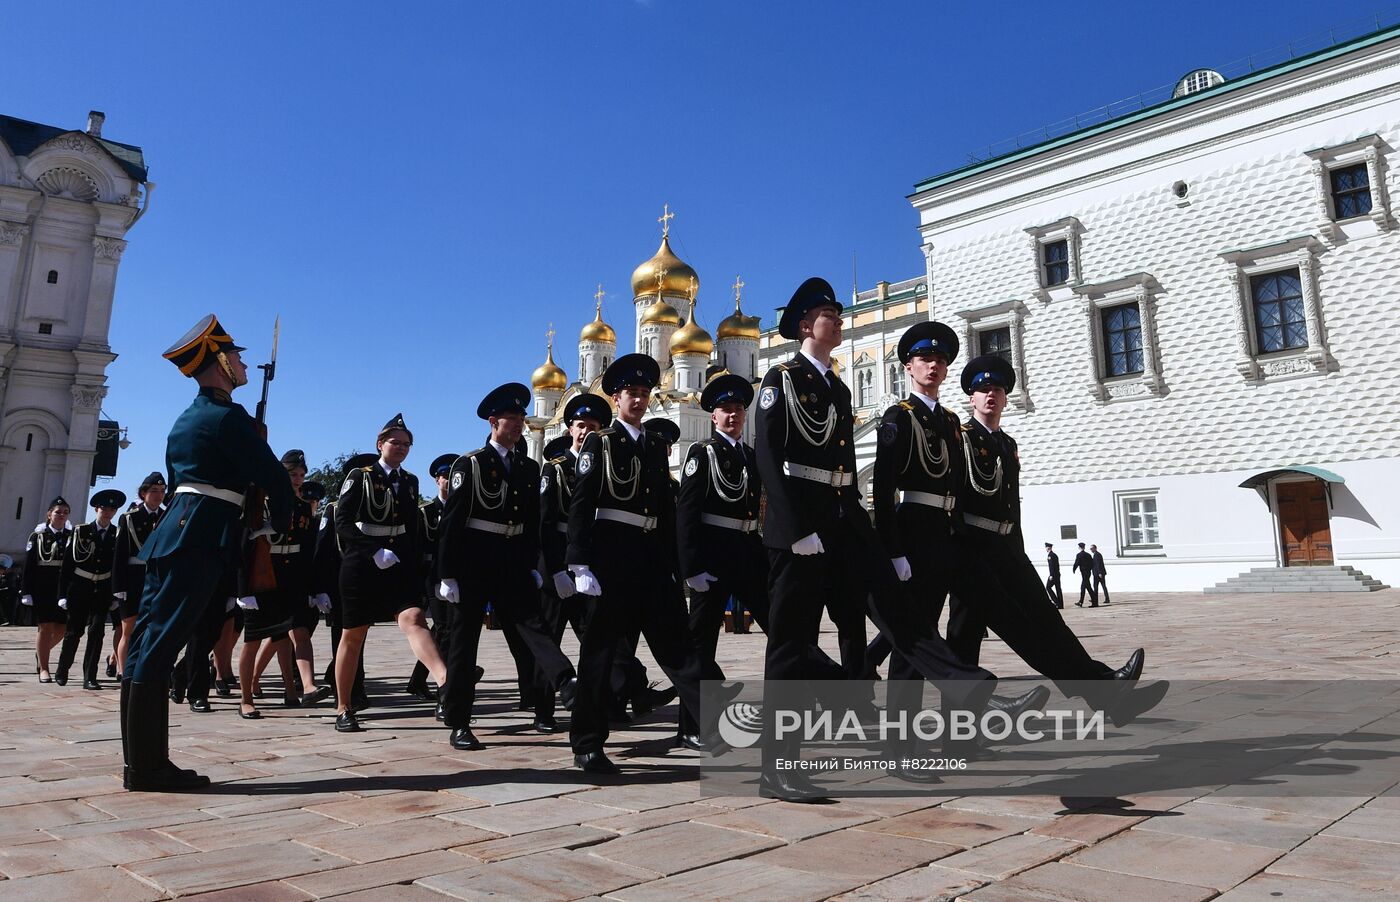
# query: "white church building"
67,199
1199,297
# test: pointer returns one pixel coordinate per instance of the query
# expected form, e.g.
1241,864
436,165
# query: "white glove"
585,582
27,601
564,584
539,580
265,530
901,568
229,605
810,545
701,581
120,596
447,591
247,603
384,559
63,604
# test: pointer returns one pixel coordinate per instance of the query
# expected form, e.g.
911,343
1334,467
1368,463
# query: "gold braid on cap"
201,347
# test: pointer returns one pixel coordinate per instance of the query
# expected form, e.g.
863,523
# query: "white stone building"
67,199
1197,299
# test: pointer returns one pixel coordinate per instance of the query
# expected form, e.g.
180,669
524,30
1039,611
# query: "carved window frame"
1010,314
1301,253
1140,289
1067,230
1368,149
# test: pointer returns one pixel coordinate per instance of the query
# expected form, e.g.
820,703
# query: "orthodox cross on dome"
598,296
738,287
549,337
665,220
692,290
661,273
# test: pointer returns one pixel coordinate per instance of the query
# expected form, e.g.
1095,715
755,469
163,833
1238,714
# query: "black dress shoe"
177,694
258,693
917,775
596,763
60,677
1137,701
315,697
91,684
254,714
222,688
345,722
463,741
480,672
441,714
167,778
291,701
1079,604
421,692
200,705
1132,670
546,725
1026,701
790,788
650,699
691,741
111,668
568,693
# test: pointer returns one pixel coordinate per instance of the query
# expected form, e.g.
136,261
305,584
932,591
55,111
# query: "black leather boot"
147,742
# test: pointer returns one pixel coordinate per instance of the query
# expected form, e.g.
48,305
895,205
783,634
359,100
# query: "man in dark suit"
214,452
1100,582
1052,585
1084,566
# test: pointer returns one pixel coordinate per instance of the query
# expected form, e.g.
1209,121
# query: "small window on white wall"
1139,523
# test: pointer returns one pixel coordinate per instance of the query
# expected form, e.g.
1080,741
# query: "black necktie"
831,378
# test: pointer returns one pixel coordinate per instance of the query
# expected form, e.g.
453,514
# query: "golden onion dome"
691,339
661,313
676,277
548,376
598,330
737,325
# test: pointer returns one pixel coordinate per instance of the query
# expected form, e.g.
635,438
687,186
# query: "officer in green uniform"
214,452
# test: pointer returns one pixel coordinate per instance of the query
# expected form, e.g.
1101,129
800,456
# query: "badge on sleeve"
322,525
888,433
768,397
691,466
345,486
585,462
457,480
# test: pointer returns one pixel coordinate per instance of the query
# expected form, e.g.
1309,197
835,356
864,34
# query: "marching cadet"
325,583
488,549
561,605
822,548
43,560
439,610
618,556
128,570
214,452
998,584
377,521
85,588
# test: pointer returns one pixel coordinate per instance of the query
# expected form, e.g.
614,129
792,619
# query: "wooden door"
1303,523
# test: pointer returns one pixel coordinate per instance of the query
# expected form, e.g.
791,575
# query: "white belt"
1000,527
51,563
817,474
562,526
499,529
375,529
136,560
734,523
88,574
929,499
286,549
209,491
646,524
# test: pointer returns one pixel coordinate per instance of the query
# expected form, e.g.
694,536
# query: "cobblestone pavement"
300,812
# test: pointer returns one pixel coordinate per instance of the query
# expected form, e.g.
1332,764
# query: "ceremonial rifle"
257,551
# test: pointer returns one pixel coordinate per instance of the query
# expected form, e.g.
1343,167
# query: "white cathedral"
662,287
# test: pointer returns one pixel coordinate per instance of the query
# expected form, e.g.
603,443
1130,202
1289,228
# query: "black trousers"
515,600
1052,588
1086,587
800,587
631,599
1101,582
191,672
557,614
87,615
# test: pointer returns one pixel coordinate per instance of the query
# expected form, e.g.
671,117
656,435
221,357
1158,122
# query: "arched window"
53,277
897,374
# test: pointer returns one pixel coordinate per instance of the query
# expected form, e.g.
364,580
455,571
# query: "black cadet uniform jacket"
133,529
431,514
796,409
370,516
718,480
613,475
43,559
920,450
325,557
993,485
87,569
490,524
556,493
293,553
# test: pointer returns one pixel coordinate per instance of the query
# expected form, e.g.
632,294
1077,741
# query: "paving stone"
274,801
395,807
628,822
527,817
851,853
396,893
1376,824
1352,862
682,847
271,891
108,884
381,841
122,825
1252,826
21,793
1273,887
128,846
1064,882
959,828
381,873
728,880
235,866
484,791
1164,857
789,821
546,877
42,815
1001,858
641,797
533,843
267,827
930,884
1086,826
45,858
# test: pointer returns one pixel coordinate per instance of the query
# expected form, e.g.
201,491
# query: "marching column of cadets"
600,539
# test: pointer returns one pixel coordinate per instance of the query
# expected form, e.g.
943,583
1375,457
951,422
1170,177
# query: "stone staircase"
1298,579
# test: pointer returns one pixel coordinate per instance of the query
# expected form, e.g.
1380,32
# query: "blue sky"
419,189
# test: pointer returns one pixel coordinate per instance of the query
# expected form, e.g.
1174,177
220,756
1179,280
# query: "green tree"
328,474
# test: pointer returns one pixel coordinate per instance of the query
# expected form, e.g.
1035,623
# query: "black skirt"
272,619
370,595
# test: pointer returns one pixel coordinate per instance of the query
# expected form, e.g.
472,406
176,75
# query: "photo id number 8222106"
933,763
